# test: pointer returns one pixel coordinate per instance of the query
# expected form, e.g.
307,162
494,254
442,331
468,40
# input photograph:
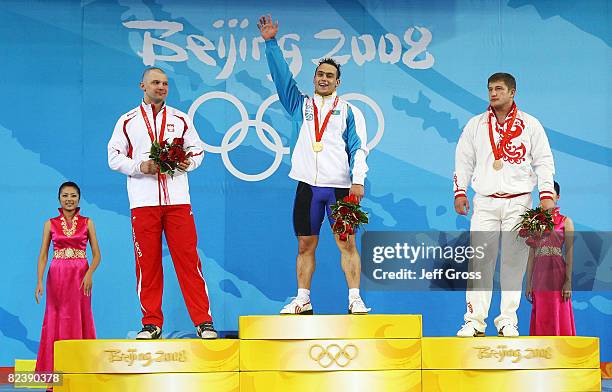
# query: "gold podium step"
372,326
535,363
136,365
327,353
344,381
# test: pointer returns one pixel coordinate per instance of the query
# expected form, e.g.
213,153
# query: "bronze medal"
497,164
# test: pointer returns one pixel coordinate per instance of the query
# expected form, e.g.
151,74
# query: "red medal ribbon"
148,124
319,132
162,181
497,150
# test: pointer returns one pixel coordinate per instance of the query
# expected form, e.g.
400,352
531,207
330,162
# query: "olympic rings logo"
261,127
327,356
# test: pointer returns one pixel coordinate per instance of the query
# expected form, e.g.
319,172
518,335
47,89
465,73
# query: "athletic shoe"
468,331
297,306
206,330
356,306
148,332
508,331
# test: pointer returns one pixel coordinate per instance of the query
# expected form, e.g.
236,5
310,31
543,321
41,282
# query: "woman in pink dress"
68,312
549,279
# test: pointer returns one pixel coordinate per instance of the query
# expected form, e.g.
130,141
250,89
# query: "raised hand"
267,27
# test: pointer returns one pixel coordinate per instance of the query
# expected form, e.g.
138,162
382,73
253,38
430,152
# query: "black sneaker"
206,330
148,332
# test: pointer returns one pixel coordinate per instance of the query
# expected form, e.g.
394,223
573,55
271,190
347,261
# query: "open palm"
267,28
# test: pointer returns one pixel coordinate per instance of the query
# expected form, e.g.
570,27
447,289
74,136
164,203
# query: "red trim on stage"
4,372
606,370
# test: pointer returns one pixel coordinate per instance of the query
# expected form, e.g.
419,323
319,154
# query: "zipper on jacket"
316,153
316,167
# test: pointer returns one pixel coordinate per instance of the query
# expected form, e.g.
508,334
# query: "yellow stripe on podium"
533,352
326,355
147,356
353,381
183,382
557,380
378,326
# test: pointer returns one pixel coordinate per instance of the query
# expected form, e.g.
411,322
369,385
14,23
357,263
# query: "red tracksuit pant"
178,224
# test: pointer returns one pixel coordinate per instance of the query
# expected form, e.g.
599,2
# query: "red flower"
172,155
339,226
163,143
343,237
343,210
350,199
178,141
523,233
163,156
176,154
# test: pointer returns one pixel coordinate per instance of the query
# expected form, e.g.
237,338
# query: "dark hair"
330,61
508,79
67,184
557,188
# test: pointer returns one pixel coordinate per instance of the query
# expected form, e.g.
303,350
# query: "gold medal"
317,146
497,164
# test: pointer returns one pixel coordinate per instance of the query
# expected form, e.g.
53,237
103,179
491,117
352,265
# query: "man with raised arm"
328,161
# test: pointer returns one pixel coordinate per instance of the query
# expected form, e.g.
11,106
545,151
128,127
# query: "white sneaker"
298,306
468,331
508,331
148,332
206,330
356,306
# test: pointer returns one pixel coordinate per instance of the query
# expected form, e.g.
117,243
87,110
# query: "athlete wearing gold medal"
503,153
328,160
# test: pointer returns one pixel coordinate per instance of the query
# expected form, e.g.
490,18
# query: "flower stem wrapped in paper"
348,217
535,224
168,155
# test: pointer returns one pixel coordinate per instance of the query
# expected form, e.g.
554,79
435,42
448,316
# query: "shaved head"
149,70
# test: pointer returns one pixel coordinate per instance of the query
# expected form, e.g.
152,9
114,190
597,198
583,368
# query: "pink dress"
68,312
550,315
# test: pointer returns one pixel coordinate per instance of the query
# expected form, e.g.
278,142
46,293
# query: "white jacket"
529,162
130,145
342,162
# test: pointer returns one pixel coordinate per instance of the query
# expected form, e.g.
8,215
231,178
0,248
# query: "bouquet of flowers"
168,155
348,216
535,223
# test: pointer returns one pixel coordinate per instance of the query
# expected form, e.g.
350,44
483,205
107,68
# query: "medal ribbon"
161,178
319,132
506,126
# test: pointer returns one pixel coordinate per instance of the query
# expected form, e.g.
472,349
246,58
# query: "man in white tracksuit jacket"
161,203
503,153
328,161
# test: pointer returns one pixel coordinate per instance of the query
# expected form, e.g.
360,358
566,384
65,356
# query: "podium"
331,353
546,363
153,365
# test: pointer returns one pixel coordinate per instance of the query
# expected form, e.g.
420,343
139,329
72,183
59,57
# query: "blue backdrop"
417,70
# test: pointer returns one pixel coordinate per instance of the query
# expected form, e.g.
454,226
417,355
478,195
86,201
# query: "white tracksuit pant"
491,218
